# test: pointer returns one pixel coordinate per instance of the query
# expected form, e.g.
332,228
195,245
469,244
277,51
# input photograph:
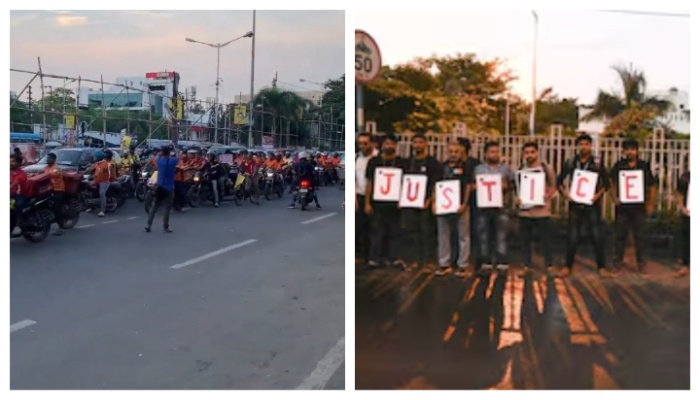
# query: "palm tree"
633,109
282,109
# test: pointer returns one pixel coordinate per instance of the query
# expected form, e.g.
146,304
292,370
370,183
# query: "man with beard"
492,223
537,218
632,217
418,223
582,214
455,168
470,164
385,216
364,142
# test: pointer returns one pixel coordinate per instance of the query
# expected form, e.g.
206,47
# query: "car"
70,159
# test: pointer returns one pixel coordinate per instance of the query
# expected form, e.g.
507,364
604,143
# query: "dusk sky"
575,48
296,44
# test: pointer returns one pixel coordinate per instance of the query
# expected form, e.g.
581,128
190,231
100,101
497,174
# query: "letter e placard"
631,188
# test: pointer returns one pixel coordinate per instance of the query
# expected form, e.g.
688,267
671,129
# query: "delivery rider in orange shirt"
59,190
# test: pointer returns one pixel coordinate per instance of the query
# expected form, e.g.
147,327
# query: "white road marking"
109,222
325,368
84,226
130,218
21,325
214,254
311,221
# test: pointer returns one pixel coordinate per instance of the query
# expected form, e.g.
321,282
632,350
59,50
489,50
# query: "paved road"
418,331
248,297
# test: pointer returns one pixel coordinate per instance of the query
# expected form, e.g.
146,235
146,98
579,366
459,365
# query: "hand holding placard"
413,191
489,191
448,197
387,184
583,187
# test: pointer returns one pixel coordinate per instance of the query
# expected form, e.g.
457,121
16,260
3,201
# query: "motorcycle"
90,195
142,185
273,184
202,189
34,220
305,194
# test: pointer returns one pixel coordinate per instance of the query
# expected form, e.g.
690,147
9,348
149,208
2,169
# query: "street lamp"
252,86
218,47
534,76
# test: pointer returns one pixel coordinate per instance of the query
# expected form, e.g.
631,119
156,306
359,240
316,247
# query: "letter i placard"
387,184
413,191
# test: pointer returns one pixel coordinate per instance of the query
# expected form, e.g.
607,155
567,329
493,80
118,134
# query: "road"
248,297
418,331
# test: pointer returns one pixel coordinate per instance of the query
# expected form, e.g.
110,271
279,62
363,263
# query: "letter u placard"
413,191
387,184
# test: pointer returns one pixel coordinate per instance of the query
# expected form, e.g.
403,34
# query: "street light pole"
534,77
252,87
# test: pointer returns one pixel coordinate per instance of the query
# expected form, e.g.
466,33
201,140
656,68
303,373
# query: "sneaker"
147,229
291,206
566,271
604,273
58,232
167,230
398,264
524,271
216,205
464,272
318,206
486,269
372,264
444,271
101,214
682,272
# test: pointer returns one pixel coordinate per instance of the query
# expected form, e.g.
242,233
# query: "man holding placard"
470,164
451,205
383,192
493,181
421,171
634,192
536,182
683,199
587,182
362,221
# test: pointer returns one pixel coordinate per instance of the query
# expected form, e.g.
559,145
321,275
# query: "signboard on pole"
368,59
240,115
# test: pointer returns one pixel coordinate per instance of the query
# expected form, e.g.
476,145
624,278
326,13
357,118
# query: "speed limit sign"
368,59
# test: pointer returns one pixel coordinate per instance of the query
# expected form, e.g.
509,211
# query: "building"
678,118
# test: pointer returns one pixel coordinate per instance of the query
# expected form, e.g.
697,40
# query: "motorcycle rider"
250,166
130,161
103,177
304,170
180,171
18,188
215,172
59,190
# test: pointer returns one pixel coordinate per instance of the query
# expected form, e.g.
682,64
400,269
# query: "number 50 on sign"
368,59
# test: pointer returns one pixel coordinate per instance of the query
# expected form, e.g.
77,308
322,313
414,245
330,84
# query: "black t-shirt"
379,162
213,169
460,171
591,165
649,178
683,184
428,166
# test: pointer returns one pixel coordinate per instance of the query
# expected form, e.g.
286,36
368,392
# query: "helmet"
287,153
108,154
125,154
302,155
99,155
335,154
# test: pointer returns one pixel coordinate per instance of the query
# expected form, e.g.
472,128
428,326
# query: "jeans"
578,216
180,194
168,202
493,234
215,188
58,201
362,222
446,226
420,237
20,204
385,234
629,219
685,238
104,186
543,228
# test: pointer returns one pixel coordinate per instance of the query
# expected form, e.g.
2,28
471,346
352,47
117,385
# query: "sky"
295,44
575,49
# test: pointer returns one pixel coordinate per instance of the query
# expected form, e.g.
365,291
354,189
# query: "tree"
282,110
432,94
334,100
631,113
20,116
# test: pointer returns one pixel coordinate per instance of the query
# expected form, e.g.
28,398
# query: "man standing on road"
165,189
59,190
103,178
632,217
362,221
682,199
385,216
455,168
537,218
418,223
582,214
492,223
470,164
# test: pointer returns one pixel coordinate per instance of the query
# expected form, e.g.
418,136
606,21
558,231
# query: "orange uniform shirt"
56,178
102,172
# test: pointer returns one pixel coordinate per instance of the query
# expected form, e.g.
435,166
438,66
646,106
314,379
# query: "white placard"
413,191
489,191
583,186
631,187
386,185
448,197
532,188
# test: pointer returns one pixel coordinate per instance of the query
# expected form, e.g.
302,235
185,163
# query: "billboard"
160,75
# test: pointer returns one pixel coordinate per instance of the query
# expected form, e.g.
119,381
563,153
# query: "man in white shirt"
364,142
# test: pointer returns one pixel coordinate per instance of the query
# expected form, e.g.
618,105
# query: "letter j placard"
387,184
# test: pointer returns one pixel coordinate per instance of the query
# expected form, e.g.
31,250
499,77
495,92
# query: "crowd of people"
409,238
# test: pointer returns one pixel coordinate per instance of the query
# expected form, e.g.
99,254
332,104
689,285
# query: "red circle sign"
368,59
